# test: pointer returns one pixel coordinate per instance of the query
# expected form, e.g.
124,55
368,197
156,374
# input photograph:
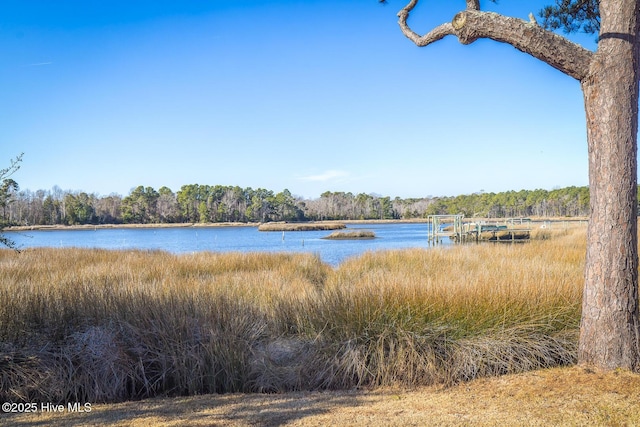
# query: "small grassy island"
351,235
301,226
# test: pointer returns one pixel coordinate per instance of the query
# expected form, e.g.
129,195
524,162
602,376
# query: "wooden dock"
453,227
492,233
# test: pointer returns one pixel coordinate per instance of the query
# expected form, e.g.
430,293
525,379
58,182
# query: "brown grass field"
569,396
467,334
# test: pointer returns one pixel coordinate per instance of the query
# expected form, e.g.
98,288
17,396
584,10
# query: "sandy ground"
569,396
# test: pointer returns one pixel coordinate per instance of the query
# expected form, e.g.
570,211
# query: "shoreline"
257,224
128,226
198,225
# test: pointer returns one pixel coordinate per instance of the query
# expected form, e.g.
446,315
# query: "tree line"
196,203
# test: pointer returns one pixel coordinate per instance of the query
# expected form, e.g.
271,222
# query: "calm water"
227,239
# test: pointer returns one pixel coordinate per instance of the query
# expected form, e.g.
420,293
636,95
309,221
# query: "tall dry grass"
420,316
103,326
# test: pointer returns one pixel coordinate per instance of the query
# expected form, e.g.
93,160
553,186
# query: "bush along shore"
107,326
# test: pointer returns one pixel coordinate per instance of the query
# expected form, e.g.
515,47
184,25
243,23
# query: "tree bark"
610,325
470,25
609,331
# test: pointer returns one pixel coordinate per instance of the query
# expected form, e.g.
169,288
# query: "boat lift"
437,232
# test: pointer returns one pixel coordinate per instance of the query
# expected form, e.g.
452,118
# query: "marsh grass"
300,226
354,234
105,326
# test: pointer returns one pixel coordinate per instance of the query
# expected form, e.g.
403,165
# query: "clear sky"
308,95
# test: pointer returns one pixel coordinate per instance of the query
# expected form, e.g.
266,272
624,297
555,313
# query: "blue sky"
305,95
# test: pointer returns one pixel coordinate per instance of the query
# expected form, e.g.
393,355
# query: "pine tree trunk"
610,326
609,331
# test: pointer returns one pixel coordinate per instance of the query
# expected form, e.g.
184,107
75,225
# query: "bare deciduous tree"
8,184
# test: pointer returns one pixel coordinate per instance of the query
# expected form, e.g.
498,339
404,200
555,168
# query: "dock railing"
453,227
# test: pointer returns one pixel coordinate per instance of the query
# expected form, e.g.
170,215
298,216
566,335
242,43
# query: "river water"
230,239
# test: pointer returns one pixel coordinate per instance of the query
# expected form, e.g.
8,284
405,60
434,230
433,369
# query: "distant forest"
206,203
